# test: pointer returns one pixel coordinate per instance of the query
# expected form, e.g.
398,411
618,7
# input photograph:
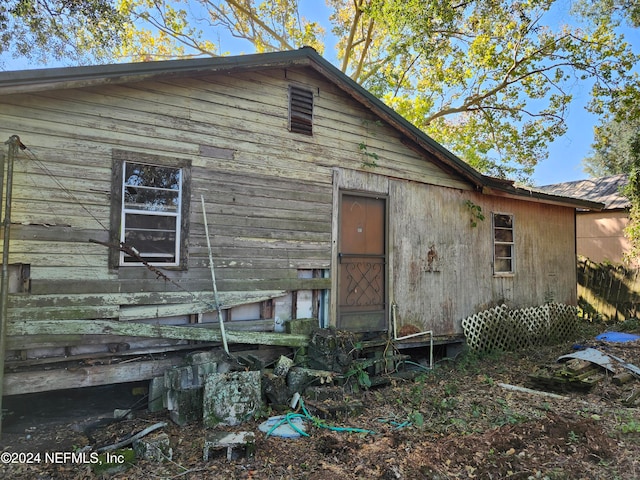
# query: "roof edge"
524,193
29,81
25,81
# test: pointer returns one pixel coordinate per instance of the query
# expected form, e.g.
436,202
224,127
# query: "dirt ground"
457,421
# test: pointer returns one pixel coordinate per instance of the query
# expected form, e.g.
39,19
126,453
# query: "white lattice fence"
502,329
563,322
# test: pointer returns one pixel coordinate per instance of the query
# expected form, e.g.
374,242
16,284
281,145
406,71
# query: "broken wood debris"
133,438
212,388
564,379
584,369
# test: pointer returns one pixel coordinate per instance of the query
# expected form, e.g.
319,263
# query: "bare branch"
352,33
255,18
365,49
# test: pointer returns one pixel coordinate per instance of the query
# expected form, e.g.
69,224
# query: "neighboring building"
320,202
599,234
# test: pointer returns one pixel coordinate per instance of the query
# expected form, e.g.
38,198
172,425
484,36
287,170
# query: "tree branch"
352,33
254,18
365,49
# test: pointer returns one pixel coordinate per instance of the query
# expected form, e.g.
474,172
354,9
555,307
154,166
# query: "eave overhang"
31,81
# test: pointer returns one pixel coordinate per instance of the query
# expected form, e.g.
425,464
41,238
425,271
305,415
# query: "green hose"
316,421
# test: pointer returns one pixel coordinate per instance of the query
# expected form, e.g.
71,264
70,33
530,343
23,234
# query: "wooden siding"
270,197
268,192
425,219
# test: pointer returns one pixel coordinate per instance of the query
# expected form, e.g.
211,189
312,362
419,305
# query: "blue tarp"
617,337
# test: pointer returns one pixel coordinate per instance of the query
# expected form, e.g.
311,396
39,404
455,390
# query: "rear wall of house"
441,254
269,196
461,280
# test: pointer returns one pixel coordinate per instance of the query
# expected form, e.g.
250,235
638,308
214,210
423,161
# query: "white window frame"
177,214
497,242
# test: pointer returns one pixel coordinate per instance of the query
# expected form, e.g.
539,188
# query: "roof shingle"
604,190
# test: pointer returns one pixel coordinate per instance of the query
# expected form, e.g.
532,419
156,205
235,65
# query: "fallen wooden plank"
203,303
112,327
90,376
516,388
227,299
13,364
133,438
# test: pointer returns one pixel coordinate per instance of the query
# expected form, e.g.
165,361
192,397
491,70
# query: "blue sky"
565,154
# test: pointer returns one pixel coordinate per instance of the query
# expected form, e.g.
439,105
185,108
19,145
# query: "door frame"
335,271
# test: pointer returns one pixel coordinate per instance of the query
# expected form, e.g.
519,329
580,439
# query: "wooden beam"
109,357
111,327
59,379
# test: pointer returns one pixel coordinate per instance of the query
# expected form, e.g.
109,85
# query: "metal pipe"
14,143
213,281
394,306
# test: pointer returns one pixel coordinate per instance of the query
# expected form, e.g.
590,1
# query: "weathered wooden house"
319,200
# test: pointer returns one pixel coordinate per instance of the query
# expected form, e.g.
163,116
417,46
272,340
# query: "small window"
300,110
503,243
150,211
151,198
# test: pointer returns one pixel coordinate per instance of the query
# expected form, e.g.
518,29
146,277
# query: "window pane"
141,198
152,176
503,243
503,251
503,235
504,221
150,187
153,236
503,265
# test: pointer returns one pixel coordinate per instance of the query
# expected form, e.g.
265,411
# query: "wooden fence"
607,292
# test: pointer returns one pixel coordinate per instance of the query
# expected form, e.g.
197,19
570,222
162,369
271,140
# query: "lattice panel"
536,321
563,321
502,329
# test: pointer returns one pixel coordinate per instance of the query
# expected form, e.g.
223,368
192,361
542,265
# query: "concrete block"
234,445
179,378
300,378
301,326
223,363
156,448
275,389
283,366
202,370
325,393
231,398
336,410
157,394
185,406
123,413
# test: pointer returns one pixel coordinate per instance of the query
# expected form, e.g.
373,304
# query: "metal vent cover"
300,110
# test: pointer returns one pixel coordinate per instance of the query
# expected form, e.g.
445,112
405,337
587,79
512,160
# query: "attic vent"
300,110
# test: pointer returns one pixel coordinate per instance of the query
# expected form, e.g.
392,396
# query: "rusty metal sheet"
593,356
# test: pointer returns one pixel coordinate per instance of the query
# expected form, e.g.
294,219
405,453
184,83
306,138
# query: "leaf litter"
454,422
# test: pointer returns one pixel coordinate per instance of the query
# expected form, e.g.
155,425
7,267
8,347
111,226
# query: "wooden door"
362,258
